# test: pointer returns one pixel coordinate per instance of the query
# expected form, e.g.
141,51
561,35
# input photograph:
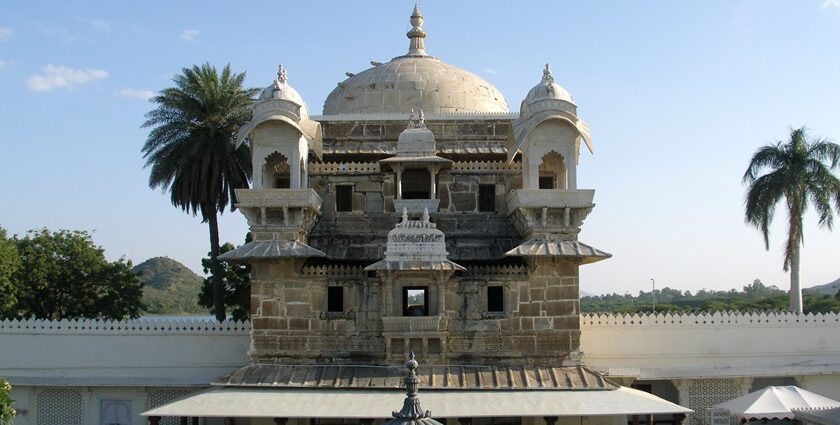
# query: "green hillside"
827,289
171,288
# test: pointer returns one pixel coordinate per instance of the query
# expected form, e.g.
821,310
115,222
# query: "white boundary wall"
148,360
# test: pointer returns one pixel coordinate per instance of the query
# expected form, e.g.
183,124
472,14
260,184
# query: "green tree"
191,153
9,264
237,284
798,172
7,405
63,275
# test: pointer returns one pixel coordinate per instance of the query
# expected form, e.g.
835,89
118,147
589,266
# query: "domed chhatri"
412,81
281,90
547,89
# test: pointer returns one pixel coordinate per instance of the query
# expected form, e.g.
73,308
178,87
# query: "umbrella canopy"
775,403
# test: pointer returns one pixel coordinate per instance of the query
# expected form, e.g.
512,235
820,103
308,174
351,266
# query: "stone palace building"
417,214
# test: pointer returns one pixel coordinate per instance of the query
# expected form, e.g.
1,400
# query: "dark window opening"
335,299
282,182
487,197
416,301
344,198
416,184
495,299
547,182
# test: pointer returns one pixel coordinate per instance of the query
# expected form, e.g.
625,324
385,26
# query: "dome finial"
421,122
281,76
416,46
547,73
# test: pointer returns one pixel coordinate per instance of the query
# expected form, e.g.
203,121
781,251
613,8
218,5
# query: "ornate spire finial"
547,74
425,220
421,122
405,215
281,76
411,410
416,45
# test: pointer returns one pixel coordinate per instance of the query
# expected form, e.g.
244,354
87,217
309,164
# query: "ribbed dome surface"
414,82
547,89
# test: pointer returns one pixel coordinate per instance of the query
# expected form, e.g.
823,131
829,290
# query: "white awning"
316,403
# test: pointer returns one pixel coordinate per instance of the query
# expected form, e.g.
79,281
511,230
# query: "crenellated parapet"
710,319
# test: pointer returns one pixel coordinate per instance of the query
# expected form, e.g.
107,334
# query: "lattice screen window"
705,393
159,397
59,407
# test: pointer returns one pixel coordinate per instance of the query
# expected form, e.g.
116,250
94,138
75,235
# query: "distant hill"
171,288
827,289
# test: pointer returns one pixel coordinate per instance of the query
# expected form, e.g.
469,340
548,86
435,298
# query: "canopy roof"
324,403
819,416
775,402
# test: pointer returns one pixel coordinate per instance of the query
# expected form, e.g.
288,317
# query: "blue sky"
678,96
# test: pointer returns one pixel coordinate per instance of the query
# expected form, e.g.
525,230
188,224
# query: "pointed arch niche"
277,173
552,172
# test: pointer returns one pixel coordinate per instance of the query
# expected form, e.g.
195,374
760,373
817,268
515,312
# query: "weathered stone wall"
539,324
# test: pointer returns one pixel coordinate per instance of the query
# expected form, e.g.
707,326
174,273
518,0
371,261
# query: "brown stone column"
154,420
649,419
550,420
635,419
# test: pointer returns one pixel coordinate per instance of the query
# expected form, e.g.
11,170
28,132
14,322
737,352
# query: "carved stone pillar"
398,171
682,390
744,385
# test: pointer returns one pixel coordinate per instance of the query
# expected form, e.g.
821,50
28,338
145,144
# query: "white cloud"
490,71
52,30
138,94
63,77
97,24
190,35
5,33
831,3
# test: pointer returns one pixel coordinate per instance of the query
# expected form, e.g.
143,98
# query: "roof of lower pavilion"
250,402
352,391
552,248
433,377
264,250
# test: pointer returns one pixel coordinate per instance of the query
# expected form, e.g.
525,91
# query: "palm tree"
191,153
798,171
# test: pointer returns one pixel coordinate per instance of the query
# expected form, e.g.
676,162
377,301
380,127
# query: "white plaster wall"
176,354
696,346
552,135
277,136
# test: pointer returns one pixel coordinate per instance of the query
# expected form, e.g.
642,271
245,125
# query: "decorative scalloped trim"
206,326
709,319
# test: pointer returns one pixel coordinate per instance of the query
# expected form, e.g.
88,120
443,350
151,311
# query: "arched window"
277,172
552,172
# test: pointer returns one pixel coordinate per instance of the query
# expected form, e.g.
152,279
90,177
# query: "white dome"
281,90
414,81
547,89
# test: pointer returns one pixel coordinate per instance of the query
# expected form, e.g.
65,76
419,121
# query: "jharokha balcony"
556,211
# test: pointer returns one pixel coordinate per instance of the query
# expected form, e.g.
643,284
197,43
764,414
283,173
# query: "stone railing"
413,324
550,198
146,326
255,198
486,167
416,206
344,168
710,319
